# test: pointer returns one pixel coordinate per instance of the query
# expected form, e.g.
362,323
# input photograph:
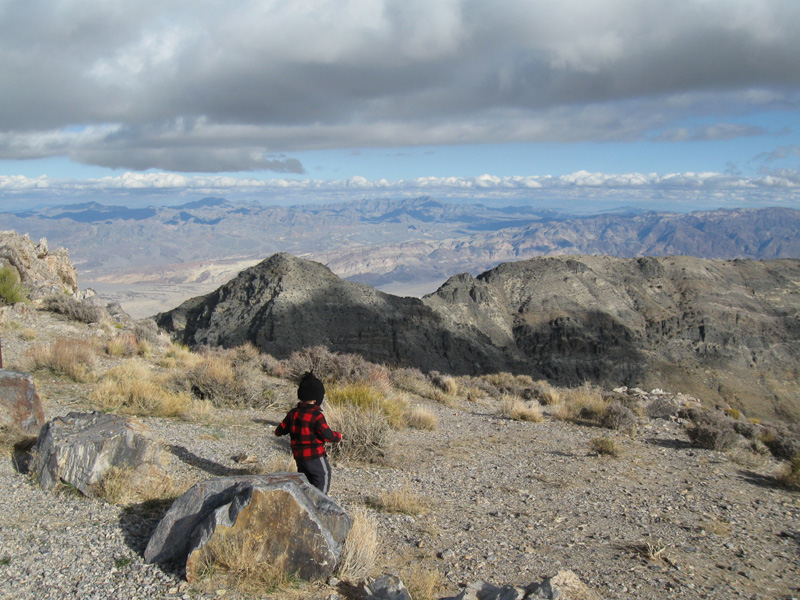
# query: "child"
308,430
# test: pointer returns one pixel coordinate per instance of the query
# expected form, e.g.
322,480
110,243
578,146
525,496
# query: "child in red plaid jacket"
308,430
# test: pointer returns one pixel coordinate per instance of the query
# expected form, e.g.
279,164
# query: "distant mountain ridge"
383,241
726,330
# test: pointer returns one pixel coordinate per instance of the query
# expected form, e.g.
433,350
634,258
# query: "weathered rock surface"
20,405
276,519
44,272
564,585
79,448
721,330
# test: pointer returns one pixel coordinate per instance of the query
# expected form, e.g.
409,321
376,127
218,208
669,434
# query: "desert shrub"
446,384
73,358
179,356
618,416
403,501
746,429
413,381
662,408
422,418
332,367
712,430
132,388
365,433
605,446
781,441
733,413
11,290
360,551
790,474
146,330
226,378
546,394
367,396
73,309
123,344
582,403
514,407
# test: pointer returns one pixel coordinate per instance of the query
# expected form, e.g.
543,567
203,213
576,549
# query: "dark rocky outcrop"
20,405
79,449
277,519
720,330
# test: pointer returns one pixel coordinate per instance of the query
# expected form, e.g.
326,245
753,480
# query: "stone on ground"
20,406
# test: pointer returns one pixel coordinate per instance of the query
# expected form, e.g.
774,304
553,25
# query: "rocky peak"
43,271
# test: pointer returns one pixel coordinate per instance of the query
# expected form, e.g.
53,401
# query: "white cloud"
198,86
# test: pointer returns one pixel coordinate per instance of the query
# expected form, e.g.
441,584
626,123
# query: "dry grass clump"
178,356
403,501
73,358
605,445
365,433
232,561
360,551
124,486
420,417
73,309
125,344
367,396
231,377
584,403
514,407
12,438
546,394
422,583
132,388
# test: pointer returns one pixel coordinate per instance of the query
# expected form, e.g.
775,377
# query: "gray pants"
317,471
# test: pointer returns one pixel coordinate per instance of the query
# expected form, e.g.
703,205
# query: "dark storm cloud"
208,86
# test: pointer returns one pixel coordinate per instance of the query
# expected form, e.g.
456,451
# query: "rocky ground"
507,502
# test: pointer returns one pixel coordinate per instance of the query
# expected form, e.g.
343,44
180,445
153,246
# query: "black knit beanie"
310,388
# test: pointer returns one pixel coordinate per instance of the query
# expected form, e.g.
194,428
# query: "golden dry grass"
124,486
365,433
581,403
133,388
404,501
514,407
360,551
420,417
367,396
422,583
605,445
71,357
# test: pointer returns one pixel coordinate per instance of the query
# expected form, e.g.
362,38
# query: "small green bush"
11,290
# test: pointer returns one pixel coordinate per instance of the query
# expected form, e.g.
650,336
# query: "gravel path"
509,502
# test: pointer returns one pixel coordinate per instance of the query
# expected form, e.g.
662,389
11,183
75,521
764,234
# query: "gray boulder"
277,519
80,448
385,587
20,406
564,585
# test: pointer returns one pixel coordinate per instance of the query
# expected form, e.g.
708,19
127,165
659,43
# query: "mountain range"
723,330
390,244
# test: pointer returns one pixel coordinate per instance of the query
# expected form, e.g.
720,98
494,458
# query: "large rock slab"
78,449
277,519
20,405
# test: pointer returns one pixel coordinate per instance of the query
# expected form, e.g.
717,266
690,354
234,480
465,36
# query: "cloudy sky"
682,103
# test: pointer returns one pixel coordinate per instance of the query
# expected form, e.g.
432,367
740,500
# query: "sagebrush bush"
231,377
11,290
422,583
781,441
73,309
365,433
123,344
584,403
72,357
617,416
712,430
333,367
414,382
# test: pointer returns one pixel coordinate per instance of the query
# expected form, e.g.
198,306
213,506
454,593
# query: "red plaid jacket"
308,430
